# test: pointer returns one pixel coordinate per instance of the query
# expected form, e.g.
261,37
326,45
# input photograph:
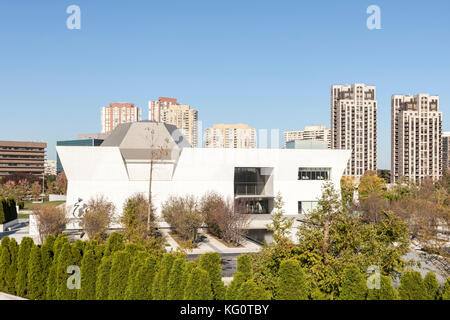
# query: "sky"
269,64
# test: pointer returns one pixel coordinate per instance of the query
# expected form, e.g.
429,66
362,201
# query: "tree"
61,183
50,220
224,219
198,286
36,277
135,219
158,152
115,243
354,286
64,260
89,266
142,287
47,253
175,290
12,270
5,261
370,183
22,266
242,274
184,216
281,226
291,283
36,189
97,217
103,277
160,285
137,259
385,292
445,291
431,285
412,286
211,263
348,188
121,261
51,285
251,291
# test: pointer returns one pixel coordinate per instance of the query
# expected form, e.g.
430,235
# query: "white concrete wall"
93,171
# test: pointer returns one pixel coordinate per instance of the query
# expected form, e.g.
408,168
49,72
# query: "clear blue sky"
266,63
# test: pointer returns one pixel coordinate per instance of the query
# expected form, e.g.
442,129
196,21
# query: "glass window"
314,173
305,207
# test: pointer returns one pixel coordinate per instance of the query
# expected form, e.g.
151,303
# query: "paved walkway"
5,296
19,231
214,245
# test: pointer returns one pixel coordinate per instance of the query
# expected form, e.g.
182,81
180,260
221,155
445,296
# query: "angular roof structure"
145,140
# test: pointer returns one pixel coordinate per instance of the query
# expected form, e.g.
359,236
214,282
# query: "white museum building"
120,168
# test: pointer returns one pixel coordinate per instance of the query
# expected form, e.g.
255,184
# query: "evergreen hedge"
211,263
22,266
291,281
8,210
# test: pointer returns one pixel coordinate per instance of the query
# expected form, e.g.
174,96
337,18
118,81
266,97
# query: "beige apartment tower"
354,126
118,113
416,137
231,136
445,152
167,110
310,133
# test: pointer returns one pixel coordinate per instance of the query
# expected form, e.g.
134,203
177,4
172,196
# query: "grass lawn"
29,204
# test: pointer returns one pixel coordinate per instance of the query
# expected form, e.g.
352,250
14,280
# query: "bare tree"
224,219
98,217
50,220
157,153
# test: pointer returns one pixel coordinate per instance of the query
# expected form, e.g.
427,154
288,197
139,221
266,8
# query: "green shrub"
118,280
103,275
243,273
22,266
412,286
21,205
211,263
431,285
36,278
251,291
445,291
175,290
354,286
386,291
11,273
64,260
291,281
159,291
89,266
187,269
138,262
77,249
198,286
115,243
142,286
50,293
8,210
5,261
47,254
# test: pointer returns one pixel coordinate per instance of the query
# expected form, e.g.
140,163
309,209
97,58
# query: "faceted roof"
144,140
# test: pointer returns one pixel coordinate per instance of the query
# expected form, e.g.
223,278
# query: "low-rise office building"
22,157
120,167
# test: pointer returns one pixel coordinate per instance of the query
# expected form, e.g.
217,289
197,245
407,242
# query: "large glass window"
305,207
314,173
248,181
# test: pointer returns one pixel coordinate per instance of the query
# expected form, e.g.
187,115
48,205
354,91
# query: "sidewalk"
213,245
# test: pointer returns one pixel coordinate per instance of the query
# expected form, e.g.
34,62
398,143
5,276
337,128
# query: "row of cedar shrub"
119,271
113,271
8,210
